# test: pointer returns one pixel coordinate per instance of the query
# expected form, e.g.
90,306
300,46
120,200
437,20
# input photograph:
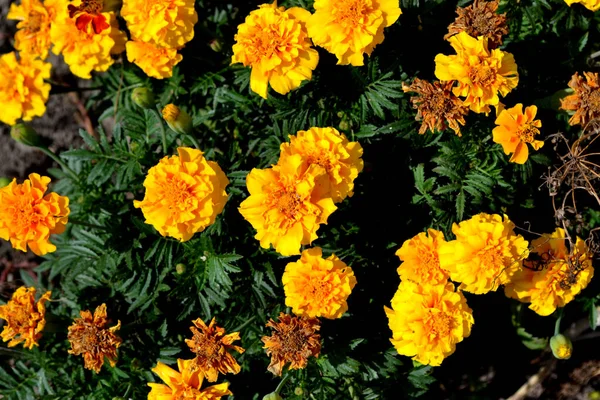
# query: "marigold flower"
184,384
351,28
157,62
184,194
515,129
28,218
318,287
586,99
89,336
33,35
331,150
23,92
592,5
481,73
420,259
177,119
437,106
554,276
164,23
287,204
274,42
25,318
293,341
480,19
485,253
89,12
427,321
211,346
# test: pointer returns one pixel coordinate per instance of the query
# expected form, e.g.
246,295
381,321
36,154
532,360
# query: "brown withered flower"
89,336
437,106
586,99
211,346
294,340
480,19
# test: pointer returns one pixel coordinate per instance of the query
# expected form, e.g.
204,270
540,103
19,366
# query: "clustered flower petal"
156,62
318,287
592,5
33,35
28,217
586,99
274,42
420,259
351,28
184,194
515,130
25,318
88,15
480,19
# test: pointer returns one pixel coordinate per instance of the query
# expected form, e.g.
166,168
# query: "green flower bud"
298,391
26,135
4,182
561,346
216,45
180,268
143,97
177,119
273,396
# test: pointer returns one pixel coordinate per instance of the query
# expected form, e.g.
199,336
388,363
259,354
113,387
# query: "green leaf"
460,205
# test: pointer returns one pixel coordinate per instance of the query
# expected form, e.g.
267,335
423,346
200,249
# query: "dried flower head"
294,340
25,318
89,336
480,19
437,106
211,346
586,99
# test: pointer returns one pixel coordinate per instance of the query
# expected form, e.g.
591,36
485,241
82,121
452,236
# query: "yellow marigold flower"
184,194
420,260
211,346
157,62
351,28
287,204
427,321
177,119
586,99
33,35
331,150
23,92
480,19
274,43
515,129
184,384
481,74
84,50
165,23
28,218
293,341
592,5
318,287
485,253
89,336
554,276
24,318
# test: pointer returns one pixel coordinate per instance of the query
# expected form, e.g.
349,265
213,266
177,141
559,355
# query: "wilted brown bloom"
586,99
211,346
480,19
437,106
25,318
89,336
294,340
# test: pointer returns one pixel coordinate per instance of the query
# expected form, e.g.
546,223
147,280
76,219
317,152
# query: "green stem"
558,319
283,382
163,131
60,162
194,141
245,324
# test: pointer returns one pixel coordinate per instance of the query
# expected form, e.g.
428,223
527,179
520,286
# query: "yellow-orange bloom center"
287,201
527,133
440,324
350,12
34,22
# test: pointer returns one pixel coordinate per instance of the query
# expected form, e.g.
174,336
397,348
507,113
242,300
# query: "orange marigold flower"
592,5
485,253
586,99
25,318
287,204
293,341
427,321
554,276
184,194
480,19
273,41
331,150
33,35
155,61
437,106
89,336
318,287
351,28
89,12
515,129
420,259
211,346
28,218
481,73
184,384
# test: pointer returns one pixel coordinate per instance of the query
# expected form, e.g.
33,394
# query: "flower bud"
26,135
143,97
216,45
180,268
177,119
561,346
273,396
298,391
4,182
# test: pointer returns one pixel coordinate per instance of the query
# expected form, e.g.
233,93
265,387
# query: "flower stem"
282,383
60,162
163,131
558,319
245,324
